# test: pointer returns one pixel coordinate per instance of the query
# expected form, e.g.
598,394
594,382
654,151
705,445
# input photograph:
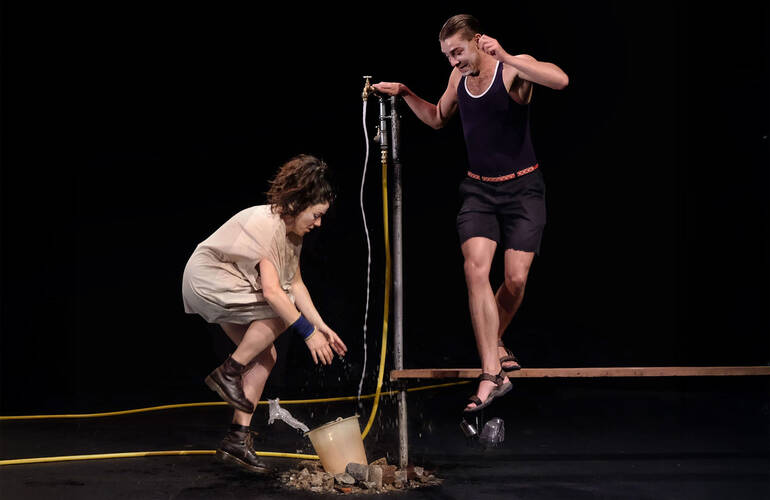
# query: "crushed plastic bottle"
275,412
493,433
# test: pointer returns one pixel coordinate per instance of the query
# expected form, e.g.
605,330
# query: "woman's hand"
321,343
334,340
319,348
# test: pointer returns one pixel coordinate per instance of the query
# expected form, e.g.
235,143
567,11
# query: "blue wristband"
302,327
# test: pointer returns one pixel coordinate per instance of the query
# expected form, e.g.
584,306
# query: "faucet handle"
368,89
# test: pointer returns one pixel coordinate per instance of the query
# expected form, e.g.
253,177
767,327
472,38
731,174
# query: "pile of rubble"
377,477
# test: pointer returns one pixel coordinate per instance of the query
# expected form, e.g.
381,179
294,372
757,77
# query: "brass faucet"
368,89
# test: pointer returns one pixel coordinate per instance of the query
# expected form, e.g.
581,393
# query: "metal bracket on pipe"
399,385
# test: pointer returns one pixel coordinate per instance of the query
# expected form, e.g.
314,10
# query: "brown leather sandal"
502,389
509,357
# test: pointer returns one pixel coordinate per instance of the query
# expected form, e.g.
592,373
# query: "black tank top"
496,130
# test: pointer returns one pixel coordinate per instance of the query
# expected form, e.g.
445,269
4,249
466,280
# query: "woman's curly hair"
301,182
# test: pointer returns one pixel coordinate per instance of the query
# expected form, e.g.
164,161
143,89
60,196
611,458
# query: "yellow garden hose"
222,403
138,454
187,405
386,307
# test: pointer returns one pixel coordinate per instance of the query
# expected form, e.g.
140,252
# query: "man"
503,197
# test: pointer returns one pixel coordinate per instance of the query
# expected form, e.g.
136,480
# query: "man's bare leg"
478,253
511,293
255,378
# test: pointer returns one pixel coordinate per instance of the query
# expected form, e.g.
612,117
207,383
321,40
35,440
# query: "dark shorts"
511,212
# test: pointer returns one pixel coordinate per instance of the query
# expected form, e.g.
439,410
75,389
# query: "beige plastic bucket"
338,443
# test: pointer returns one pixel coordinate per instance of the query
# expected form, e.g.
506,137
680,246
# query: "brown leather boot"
226,381
237,448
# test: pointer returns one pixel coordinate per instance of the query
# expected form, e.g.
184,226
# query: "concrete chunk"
375,475
345,478
388,474
359,471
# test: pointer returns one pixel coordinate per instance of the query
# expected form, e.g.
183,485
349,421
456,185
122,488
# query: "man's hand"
390,88
319,348
334,340
492,47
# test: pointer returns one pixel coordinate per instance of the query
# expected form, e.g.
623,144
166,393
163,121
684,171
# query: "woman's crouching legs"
254,380
255,352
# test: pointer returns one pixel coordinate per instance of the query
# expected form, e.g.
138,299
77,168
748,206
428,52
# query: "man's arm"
435,116
529,68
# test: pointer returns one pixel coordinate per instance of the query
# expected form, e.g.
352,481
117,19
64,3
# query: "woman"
246,278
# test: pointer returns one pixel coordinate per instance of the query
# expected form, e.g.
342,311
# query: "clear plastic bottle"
493,433
275,412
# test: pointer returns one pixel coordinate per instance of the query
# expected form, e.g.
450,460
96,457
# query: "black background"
131,131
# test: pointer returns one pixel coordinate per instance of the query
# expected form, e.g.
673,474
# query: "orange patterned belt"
521,172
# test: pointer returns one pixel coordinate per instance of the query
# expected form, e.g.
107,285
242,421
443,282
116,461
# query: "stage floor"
632,439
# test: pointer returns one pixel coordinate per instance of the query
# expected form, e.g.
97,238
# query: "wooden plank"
642,371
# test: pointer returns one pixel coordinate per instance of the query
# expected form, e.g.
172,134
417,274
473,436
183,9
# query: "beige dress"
221,281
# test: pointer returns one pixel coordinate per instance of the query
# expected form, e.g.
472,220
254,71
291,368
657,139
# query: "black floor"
565,439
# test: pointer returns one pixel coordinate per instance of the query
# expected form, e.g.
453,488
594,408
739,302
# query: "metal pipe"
398,288
383,131
398,267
